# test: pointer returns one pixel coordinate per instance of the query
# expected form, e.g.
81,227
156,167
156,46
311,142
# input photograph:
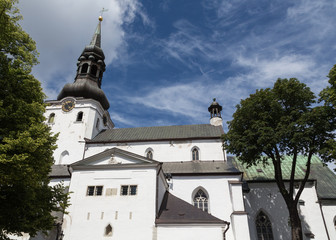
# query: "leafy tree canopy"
26,144
282,121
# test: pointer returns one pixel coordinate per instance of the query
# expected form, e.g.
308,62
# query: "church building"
167,182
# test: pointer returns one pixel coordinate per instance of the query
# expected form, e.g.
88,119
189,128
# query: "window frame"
128,190
267,225
80,116
51,118
204,206
95,190
196,157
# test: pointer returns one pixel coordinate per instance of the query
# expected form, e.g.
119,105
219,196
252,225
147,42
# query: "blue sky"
166,60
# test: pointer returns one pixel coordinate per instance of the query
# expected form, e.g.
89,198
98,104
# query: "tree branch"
303,183
292,177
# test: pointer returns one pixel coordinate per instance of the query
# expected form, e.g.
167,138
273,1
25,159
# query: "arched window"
51,118
79,117
264,227
108,230
195,154
201,200
149,155
64,157
85,67
94,70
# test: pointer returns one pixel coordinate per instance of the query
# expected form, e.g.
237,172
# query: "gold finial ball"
100,18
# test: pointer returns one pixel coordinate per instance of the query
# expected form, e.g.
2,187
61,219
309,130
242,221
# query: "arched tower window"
195,153
51,118
79,117
85,67
264,227
108,231
201,200
94,70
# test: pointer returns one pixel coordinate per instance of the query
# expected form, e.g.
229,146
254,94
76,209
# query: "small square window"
90,190
128,190
94,191
99,190
124,190
133,190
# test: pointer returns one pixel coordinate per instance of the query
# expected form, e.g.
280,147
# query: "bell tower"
80,111
215,113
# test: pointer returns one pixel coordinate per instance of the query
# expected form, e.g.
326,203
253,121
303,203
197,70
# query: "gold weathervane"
101,14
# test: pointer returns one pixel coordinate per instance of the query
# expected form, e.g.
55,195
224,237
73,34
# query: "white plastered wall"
220,197
189,232
266,197
166,151
89,215
329,211
71,132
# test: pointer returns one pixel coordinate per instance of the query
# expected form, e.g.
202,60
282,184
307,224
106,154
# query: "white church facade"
167,182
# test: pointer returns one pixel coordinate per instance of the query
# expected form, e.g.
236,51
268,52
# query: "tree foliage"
26,144
281,121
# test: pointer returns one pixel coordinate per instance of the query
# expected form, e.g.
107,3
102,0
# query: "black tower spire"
89,75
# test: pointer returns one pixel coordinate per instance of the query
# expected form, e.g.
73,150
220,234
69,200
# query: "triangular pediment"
114,156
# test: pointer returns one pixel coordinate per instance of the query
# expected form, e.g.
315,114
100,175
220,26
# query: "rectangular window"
133,190
128,190
94,191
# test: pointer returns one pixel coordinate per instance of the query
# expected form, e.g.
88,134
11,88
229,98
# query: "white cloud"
63,28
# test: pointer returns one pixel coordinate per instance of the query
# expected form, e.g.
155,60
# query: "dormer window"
79,117
51,118
195,154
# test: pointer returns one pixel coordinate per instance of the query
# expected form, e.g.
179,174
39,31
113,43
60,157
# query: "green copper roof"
326,179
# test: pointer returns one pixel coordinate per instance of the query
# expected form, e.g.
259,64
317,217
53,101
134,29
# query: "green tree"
26,144
273,123
328,96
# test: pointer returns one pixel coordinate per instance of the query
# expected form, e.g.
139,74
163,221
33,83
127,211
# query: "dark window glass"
133,190
195,155
79,117
94,70
150,154
124,190
99,190
264,227
90,190
84,68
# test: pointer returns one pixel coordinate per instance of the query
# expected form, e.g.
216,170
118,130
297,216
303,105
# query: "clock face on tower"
68,105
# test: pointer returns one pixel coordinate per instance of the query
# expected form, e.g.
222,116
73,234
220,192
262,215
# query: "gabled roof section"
326,179
113,151
174,210
182,132
199,167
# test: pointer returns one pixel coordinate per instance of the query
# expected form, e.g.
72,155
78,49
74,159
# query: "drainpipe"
227,228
